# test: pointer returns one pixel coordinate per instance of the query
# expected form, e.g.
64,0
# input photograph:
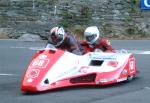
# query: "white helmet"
91,34
57,36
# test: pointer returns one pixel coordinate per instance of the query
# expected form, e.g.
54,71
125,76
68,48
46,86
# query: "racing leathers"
70,44
102,44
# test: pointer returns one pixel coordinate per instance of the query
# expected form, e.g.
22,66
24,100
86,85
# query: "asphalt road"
15,55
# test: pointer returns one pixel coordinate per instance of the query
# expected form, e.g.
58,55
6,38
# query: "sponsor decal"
121,79
33,73
41,62
99,56
103,58
107,80
132,65
30,80
112,63
124,72
145,4
42,57
67,72
83,69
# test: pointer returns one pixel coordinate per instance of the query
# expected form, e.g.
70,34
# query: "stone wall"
113,17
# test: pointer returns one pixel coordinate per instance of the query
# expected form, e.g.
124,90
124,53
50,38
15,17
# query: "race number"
40,63
132,65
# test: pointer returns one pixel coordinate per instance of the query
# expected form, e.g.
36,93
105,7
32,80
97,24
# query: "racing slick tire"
130,78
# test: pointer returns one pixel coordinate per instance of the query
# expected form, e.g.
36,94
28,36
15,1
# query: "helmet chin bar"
92,34
59,43
94,41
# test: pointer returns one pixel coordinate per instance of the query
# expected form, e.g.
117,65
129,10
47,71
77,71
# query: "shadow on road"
86,87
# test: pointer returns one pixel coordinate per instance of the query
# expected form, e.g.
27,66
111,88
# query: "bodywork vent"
96,62
84,79
46,81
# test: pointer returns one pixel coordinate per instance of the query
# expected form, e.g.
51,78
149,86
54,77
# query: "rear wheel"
130,78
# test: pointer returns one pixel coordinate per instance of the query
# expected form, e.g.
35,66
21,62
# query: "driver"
64,40
93,41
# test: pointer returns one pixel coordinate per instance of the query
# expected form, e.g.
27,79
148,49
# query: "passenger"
94,41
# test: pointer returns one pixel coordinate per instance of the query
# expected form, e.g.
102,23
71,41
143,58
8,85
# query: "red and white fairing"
50,69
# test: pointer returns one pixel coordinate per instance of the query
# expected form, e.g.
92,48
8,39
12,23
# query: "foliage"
48,1
4,20
134,5
129,19
86,14
69,18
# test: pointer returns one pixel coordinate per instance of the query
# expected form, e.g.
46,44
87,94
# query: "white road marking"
147,88
18,47
120,51
31,48
36,48
5,74
146,52
134,51
8,39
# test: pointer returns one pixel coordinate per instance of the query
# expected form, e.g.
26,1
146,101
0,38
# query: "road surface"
15,55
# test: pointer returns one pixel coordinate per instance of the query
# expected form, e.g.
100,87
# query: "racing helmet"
91,34
57,36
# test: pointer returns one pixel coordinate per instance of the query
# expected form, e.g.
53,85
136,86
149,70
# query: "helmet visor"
90,38
56,39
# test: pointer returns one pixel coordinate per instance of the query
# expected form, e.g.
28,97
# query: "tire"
130,78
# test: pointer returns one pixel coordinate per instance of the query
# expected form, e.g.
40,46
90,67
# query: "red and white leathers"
102,43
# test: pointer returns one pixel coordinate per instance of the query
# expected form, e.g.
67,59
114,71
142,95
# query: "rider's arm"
108,46
73,45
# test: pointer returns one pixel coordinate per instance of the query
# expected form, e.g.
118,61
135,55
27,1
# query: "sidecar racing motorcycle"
53,68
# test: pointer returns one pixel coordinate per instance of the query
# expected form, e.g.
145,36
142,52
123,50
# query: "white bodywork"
70,65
